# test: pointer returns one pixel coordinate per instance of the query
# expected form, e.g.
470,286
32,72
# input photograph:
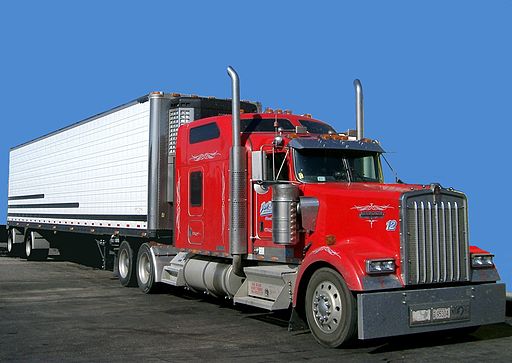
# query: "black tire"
331,309
13,249
34,254
146,271
126,265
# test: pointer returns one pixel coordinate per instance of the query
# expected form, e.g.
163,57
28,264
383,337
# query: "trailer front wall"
91,174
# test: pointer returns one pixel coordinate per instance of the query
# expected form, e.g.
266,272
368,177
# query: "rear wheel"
146,271
126,265
13,249
34,254
330,309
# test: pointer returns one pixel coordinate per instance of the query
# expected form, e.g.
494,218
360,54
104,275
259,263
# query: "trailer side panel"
93,174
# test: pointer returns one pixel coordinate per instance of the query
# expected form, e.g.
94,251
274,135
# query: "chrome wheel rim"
144,268
124,263
9,244
327,308
28,246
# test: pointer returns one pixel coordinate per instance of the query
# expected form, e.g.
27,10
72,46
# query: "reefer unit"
110,173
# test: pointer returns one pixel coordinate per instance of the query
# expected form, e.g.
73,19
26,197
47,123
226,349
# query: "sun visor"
310,143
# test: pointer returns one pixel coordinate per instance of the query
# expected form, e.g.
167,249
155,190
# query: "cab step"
267,287
172,274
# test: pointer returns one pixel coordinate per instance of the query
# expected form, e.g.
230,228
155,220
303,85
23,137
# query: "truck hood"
376,189
364,219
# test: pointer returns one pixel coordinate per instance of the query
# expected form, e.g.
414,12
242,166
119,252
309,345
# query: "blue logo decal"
266,209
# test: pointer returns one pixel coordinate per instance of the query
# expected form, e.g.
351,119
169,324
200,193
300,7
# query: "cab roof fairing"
310,143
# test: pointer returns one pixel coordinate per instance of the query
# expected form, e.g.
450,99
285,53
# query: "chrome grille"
434,238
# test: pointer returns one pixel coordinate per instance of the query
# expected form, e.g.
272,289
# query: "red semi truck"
269,209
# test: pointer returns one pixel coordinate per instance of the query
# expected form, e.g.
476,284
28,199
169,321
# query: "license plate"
421,314
441,314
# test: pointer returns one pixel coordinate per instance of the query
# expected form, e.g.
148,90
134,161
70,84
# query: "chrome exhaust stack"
238,184
359,109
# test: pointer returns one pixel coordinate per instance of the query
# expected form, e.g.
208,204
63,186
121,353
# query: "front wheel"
331,309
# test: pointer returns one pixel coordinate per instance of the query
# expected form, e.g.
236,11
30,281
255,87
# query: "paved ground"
64,311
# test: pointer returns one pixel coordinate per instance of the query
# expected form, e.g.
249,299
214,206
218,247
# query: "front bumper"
384,314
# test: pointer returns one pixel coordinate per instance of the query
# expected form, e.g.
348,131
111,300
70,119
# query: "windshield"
334,165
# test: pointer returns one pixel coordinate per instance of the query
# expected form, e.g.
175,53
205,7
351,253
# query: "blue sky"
436,75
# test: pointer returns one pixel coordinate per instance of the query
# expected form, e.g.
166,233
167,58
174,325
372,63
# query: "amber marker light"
330,239
339,137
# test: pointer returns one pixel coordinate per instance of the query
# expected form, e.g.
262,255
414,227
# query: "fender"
348,258
331,256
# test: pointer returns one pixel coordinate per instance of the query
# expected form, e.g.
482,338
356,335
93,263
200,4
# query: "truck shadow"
90,257
436,339
372,346
86,257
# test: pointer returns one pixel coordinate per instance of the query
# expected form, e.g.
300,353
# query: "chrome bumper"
384,314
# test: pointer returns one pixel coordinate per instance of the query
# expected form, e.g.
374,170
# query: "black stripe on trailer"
31,196
45,205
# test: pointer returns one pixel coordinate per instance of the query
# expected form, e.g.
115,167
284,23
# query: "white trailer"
107,175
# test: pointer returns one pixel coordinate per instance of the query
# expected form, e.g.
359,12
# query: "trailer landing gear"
108,251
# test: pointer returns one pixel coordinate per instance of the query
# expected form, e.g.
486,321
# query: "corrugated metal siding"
102,165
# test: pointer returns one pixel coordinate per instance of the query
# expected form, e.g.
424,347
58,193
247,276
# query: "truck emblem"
266,209
371,212
205,156
372,207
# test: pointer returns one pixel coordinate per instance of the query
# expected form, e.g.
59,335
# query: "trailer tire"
146,271
331,309
126,265
34,254
13,249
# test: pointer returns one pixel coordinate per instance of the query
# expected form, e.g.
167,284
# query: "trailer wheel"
34,254
125,264
330,308
13,249
146,271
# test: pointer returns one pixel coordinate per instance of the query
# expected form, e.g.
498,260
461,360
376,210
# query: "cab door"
277,169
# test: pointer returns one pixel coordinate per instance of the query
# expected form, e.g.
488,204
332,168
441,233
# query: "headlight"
381,266
482,261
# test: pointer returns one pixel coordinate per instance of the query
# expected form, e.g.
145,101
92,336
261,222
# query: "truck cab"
319,209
